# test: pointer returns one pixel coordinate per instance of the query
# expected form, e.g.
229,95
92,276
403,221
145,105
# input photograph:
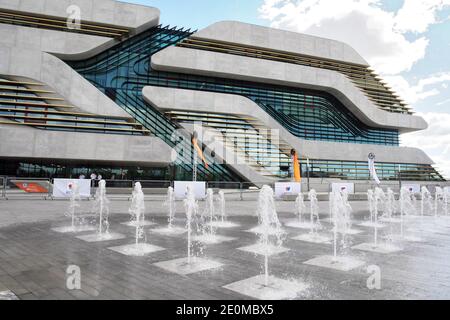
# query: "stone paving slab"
264,250
339,263
184,267
139,250
275,288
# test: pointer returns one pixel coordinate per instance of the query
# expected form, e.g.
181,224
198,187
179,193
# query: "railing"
27,188
12,187
3,188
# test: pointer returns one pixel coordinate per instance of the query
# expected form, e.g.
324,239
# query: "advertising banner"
348,187
199,188
415,188
32,187
287,188
62,188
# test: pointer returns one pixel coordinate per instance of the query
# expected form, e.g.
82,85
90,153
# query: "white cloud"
435,141
424,88
417,16
442,103
378,35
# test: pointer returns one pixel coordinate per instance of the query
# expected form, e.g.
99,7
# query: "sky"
406,41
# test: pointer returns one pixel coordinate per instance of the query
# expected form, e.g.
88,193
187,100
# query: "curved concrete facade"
185,60
34,54
275,39
69,45
65,45
48,69
33,144
107,12
190,100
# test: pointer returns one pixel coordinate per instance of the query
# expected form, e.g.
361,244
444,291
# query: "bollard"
241,187
4,188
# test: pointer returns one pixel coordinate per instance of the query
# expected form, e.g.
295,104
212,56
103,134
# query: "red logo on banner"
30,187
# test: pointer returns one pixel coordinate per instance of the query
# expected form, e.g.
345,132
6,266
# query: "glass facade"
123,71
354,170
249,139
326,169
25,103
64,169
361,75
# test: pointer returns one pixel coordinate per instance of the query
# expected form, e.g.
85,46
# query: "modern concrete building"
110,94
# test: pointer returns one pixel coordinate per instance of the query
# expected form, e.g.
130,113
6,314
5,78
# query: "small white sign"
62,188
180,189
447,189
346,187
287,188
414,188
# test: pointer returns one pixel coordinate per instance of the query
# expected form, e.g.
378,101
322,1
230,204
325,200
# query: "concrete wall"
190,100
66,45
25,142
75,46
215,64
33,54
108,12
281,40
58,76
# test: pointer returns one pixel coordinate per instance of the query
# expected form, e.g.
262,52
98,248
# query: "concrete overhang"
75,46
281,40
199,101
213,64
31,143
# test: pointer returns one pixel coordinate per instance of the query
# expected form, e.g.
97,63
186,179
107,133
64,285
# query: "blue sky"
198,14
407,42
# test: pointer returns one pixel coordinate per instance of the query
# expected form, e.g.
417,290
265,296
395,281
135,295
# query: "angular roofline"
283,40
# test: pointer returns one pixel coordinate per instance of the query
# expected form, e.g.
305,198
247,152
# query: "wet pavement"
34,259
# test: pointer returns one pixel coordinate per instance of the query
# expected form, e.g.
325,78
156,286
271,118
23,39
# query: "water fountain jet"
207,226
137,211
222,222
386,246
77,223
374,198
101,209
314,224
390,208
170,204
192,263
341,214
271,236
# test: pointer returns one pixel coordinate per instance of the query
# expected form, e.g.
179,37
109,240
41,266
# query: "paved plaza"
34,258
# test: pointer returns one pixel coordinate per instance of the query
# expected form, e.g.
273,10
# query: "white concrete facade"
109,12
186,60
280,40
58,76
32,144
198,101
34,55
